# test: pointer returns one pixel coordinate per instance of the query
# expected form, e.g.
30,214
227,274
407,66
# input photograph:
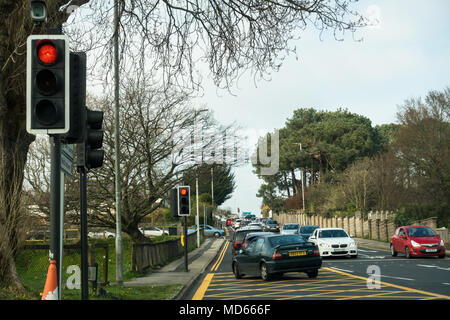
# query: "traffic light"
180,204
184,203
48,80
89,153
77,93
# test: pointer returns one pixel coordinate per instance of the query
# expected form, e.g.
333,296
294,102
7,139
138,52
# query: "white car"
334,242
153,232
101,234
290,228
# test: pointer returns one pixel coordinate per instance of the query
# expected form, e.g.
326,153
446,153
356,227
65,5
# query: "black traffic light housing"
77,111
180,203
48,81
89,153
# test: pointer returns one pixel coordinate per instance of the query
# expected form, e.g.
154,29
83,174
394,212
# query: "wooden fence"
150,255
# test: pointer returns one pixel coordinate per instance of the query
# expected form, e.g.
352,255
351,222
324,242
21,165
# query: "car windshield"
307,229
290,226
420,232
284,240
333,234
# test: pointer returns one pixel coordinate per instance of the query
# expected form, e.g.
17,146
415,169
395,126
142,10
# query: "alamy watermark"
202,146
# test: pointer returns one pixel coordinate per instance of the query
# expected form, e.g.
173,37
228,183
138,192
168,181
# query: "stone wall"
374,225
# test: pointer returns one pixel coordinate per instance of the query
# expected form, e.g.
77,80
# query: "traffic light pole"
84,238
55,195
185,245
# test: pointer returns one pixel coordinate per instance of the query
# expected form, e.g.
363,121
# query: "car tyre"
313,274
442,256
354,256
393,252
407,253
236,272
264,273
216,234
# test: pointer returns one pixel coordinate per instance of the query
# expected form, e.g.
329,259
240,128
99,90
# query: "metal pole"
55,189
197,217
119,248
185,245
303,186
84,242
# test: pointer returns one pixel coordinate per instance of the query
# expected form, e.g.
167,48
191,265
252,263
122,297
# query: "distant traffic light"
48,84
184,203
89,153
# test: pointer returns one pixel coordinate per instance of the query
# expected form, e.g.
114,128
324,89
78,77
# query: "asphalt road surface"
375,274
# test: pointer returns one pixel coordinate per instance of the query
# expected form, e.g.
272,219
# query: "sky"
404,56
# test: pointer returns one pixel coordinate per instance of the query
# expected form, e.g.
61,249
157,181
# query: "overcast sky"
405,56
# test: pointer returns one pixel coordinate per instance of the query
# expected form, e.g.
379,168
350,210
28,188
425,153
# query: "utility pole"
197,217
119,248
303,182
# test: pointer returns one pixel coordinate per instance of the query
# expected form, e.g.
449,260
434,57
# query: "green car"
273,255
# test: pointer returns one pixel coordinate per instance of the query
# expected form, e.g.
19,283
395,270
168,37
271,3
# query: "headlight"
352,244
324,245
415,244
442,242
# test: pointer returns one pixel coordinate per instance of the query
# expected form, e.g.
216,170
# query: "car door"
401,240
313,237
246,257
255,256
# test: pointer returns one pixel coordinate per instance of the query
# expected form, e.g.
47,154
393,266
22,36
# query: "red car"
417,241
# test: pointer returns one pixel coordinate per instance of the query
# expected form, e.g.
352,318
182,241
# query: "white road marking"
341,269
396,278
365,250
432,266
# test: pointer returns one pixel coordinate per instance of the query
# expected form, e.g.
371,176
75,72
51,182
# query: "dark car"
307,231
273,255
239,235
271,226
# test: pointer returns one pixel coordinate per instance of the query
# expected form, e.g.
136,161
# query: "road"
375,274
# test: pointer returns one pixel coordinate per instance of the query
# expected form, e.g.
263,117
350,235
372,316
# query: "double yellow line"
222,254
205,284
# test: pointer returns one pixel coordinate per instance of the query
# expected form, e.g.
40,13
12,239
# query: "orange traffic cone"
51,284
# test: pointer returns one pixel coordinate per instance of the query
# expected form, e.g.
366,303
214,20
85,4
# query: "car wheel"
313,274
354,256
216,234
442,256
407,253
393,253
236,272
264,273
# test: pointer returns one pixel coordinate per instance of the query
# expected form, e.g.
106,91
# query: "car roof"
320,229
415,227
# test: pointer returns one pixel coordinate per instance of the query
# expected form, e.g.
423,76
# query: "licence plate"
297,253
338,250
430,250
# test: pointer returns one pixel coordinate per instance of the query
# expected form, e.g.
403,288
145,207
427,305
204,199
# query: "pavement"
174,272
200,258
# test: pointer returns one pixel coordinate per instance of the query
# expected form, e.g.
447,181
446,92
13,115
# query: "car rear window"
290,226
307,229
272,222
241,235
285,240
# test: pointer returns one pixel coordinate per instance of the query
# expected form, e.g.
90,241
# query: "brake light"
277,255
316,251
236,244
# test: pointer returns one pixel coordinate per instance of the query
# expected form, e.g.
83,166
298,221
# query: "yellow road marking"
203,287
441,296
219,260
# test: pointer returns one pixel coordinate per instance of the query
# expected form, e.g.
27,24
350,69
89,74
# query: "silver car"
290,228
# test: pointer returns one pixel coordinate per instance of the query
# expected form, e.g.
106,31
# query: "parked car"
307,231
271,226
101,234
153,231
229,222
417,241
273,255
290,228
334,242
239,235
209,230
237,223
